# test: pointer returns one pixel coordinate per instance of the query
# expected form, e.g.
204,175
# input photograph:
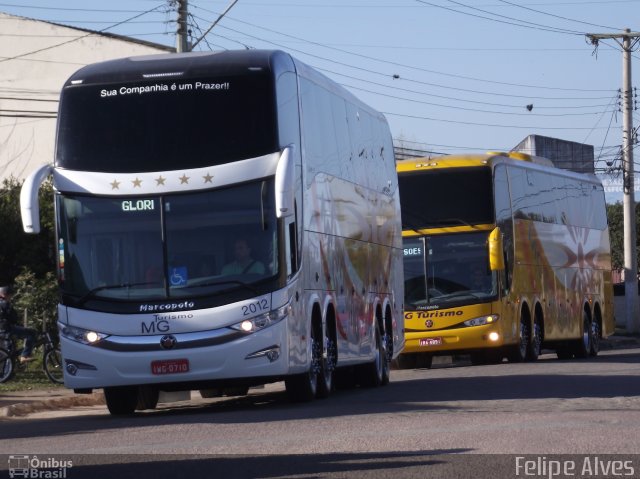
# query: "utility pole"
214,23
182,43
627,41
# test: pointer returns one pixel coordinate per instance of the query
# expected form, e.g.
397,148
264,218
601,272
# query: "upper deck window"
162,125
447,197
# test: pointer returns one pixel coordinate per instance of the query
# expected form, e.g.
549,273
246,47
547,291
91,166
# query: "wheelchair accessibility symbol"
178,276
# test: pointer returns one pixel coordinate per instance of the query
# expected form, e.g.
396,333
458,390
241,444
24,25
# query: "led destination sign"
138,205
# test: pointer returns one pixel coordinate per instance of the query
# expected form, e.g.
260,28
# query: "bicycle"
51,357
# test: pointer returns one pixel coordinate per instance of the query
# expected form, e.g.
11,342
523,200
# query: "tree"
28,261
19,250
615,217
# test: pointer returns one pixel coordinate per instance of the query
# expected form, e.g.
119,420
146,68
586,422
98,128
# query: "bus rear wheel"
535,345
376,373
519,353
584,344
328,363
595,338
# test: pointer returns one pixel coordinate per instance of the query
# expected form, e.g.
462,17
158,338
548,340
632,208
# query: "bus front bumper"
193,357
460,339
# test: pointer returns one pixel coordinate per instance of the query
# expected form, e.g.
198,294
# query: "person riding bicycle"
10,323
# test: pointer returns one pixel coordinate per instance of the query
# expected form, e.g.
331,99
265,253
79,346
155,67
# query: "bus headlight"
482,320
263,320
80,335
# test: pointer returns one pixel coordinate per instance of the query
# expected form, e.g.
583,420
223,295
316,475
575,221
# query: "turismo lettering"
432,314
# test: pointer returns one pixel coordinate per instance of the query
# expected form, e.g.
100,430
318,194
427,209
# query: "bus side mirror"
29,206
284,184
496,254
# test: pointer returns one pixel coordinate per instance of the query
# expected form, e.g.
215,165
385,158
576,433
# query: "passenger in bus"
243,263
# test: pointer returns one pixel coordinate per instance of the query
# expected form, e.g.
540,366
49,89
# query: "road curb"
30,407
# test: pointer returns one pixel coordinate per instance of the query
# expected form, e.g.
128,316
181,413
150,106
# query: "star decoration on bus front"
137,183
208,178
115,185
184,179
160,181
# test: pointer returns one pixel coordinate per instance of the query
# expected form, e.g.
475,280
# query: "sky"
450,76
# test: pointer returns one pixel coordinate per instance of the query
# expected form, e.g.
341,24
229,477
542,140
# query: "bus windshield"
160,247
447,269
463,195
156,125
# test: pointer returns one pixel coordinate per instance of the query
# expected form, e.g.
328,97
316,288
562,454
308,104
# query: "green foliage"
615,216
616,228
37,296
28,261
18,249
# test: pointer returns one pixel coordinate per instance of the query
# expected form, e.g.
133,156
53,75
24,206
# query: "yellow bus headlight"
482,320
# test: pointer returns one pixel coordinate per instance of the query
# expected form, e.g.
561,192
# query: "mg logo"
168,341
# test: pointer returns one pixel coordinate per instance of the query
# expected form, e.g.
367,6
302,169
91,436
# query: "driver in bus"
243,263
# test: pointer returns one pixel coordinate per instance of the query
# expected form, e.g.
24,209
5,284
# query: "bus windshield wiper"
226,281
457,294
92,292
430,222
422,219
445,221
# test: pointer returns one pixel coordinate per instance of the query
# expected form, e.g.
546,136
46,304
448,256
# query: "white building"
36,58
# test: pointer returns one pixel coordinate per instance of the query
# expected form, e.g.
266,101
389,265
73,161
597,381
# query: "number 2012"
255,307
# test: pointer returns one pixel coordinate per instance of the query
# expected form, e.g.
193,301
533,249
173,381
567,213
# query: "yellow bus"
504,255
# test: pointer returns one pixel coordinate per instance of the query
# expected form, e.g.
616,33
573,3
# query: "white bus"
224,220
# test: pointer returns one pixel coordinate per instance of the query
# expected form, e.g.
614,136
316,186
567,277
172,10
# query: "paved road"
422,425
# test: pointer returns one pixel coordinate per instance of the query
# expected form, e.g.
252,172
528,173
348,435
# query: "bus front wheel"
121,400
304,387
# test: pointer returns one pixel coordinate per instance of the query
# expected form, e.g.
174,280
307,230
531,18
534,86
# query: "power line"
523,23
417,117
83,36
557,16
390,75
472,109
412,67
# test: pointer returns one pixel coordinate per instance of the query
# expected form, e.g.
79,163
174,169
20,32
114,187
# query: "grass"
29,376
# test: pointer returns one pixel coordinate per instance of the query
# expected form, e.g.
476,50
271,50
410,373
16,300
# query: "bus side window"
502,202
291,244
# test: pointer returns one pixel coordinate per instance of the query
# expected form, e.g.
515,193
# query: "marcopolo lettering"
146,308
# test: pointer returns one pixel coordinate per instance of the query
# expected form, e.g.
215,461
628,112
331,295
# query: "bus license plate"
170,366
431,341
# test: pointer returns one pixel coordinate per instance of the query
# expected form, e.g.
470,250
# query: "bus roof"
175,65
486,159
